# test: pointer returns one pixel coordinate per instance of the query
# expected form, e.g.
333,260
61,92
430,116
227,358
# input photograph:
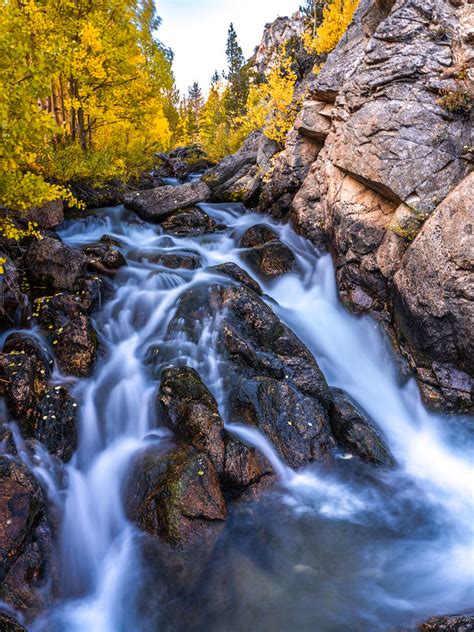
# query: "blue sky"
196,30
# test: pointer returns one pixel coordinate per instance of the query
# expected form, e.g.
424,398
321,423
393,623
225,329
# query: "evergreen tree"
195,103
237,76
313,11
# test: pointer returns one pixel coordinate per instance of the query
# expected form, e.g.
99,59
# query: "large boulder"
54,264
189,222
9,624
274,383
266,254
157,204
47,216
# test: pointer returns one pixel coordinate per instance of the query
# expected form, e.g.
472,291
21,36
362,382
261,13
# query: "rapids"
336,548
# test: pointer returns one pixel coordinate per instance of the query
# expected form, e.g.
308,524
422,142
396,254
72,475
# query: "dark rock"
22,384
243,466
25,344
14,304
235,272
257,236
158,204
72,336
353,430
47,216
10,624
21,509
176,496
190,410
449,623
94,196
189,222
271,260
107,256
110,241
274,382
186,259
54,264
57,423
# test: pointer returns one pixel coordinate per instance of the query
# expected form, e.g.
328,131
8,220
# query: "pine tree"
237,76
195,103
313,11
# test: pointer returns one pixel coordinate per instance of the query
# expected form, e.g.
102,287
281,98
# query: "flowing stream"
348,547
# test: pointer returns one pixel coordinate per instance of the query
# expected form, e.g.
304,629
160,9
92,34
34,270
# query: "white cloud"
197,32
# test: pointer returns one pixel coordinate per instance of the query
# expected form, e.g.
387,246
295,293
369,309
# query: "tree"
336,17
313,11
237,76
194,103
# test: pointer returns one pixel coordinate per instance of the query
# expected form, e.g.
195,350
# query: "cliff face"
377,169
391,193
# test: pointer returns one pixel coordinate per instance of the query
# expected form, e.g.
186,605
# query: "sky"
196,31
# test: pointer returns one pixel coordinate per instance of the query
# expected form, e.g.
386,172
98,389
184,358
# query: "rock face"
157,204
14,304
47,216
450,623
396,151
276,34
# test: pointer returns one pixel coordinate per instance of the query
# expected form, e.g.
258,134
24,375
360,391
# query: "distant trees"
330,19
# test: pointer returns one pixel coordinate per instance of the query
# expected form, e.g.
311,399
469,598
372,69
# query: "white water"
97,547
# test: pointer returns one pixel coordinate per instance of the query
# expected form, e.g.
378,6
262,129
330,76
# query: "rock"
449,623
257,235
107,256
21,509
276,35
314,120
189,222
55,264
176,496
47,216
14,304
94,196
58,423
189,409
353,430
73,339
243,466
157,204
235,272
30,345
10,624
22,384
434,294
186,259
270,260
286,173
273,381
235,178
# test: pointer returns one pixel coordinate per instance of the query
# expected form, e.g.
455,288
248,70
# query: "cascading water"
344,549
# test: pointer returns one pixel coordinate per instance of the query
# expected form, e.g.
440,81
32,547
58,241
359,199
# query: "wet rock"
110,241
47,216
235,272
257,235
186,259
353,430
29,345
8,623
273,381
14,304
189,409
271,260
22,384
189,222
94,196
54,264
176,496
73,339
106,256
157,204
449,623
243,466
58,423
21,509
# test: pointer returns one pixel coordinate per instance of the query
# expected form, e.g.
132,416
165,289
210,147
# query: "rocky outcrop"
276,35
47,216
158,204
14,303
54,264
396,151
449,623
181,162
265,253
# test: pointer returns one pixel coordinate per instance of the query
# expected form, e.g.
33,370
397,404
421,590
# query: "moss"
457,101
